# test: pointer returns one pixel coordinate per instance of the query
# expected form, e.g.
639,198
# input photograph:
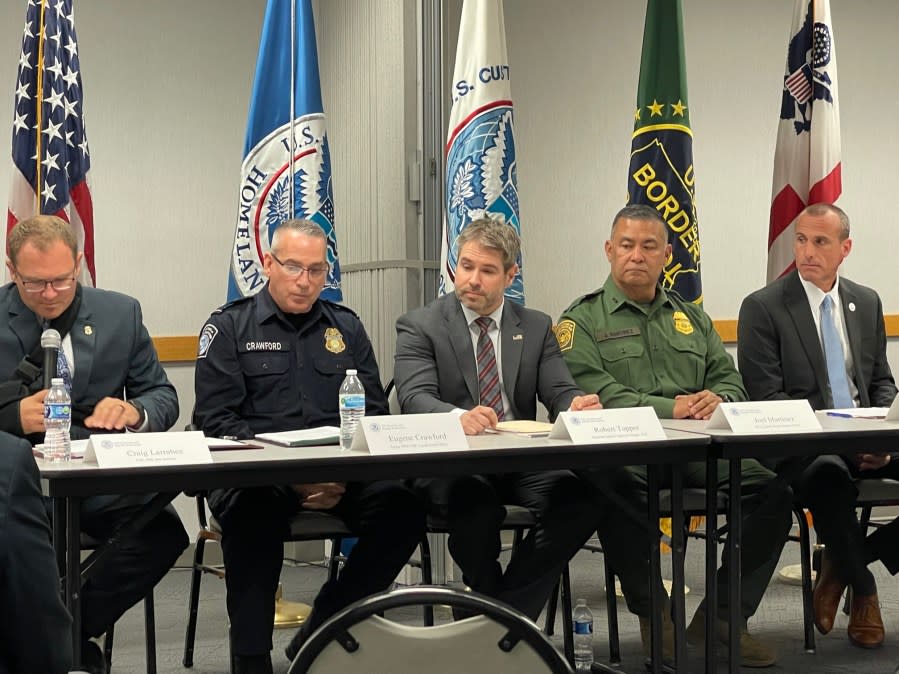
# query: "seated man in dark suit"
273,362
815,335
116,383
447,361
35,630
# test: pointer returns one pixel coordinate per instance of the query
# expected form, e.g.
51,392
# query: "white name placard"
410,433
768,416
132,450
598,426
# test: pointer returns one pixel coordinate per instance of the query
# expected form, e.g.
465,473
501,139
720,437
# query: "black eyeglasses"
40,285
316,272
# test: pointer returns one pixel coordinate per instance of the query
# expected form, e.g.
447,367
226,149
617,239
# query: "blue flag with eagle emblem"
286,171
661,166
481,177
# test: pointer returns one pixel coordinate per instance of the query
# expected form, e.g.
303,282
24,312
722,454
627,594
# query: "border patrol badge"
682,324
206,336
334,341
565,334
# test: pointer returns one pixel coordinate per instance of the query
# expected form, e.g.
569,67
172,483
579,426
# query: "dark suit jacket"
435,369
114,356
35,629
780,355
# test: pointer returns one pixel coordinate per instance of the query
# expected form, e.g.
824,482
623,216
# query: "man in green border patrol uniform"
636,344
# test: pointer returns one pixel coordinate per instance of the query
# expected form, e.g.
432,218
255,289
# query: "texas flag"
807,167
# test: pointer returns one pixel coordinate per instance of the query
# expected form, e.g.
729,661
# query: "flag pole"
38,107
293,86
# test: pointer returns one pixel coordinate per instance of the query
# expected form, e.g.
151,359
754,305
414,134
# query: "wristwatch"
725,398
140,411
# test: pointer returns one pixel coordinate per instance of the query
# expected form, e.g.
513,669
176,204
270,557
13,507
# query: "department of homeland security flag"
286,171
661,167
480,148
50,156
807,168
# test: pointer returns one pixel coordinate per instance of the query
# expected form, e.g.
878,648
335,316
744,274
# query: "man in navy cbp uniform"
275,362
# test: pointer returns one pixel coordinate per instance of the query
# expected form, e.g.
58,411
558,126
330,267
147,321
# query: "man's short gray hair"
639,212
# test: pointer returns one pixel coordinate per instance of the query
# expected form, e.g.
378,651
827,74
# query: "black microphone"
50,343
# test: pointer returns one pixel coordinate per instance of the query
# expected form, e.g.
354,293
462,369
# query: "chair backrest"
392,401
497,641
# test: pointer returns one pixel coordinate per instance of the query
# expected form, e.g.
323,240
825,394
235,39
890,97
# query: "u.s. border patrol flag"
286,171
661,167
807,168
51,162
481,177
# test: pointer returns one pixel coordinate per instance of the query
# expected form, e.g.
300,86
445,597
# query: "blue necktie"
833,354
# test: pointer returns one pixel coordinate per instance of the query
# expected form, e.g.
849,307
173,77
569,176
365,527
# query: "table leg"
711,561
73,572
734,563
678,551
655,568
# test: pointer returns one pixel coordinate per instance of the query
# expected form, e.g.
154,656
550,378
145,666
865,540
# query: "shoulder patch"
206,336
565,334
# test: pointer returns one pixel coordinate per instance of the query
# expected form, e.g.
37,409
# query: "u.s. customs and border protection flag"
807,167
481,175
286,171
50,155
661,167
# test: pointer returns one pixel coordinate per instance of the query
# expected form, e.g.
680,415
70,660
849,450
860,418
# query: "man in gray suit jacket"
786,352
117,383
440,351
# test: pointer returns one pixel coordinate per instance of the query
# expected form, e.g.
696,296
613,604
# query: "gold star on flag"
637,115
678,108
655,109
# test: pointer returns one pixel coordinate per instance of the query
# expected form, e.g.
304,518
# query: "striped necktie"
488,374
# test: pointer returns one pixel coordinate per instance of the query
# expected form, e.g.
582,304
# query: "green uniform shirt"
636,355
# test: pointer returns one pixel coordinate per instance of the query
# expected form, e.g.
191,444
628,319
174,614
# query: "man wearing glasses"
116,383
275,362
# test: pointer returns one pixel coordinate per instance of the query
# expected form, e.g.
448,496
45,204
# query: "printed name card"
769,416
599,426
410,433
133,450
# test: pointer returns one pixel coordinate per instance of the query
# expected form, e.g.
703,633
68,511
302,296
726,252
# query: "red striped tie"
488,375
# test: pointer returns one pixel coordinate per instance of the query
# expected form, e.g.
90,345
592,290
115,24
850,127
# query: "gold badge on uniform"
565,334
88,330
682,323
334,341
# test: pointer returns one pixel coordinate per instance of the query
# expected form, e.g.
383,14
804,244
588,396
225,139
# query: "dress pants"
828,489
766,524
35,628
135,567
473,509
387,517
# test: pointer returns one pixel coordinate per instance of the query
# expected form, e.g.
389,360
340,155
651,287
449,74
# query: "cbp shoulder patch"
682,324
565,334
206,336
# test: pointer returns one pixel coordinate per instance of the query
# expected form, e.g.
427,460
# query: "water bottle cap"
57,381
350,373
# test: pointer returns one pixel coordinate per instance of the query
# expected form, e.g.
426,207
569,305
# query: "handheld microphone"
51,342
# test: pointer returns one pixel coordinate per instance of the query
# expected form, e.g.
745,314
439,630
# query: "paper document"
323,435
77,449
222,443
525,428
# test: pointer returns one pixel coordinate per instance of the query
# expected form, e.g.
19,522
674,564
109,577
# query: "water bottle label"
352,402
583,628
58,411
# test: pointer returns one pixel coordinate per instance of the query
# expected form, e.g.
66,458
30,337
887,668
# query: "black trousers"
35,628
766,524
827,488
387,517
472,507
128,575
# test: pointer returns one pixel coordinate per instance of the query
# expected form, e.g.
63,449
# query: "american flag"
50,155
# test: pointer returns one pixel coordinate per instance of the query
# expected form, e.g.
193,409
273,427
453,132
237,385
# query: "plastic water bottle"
352,407
583,636
57,422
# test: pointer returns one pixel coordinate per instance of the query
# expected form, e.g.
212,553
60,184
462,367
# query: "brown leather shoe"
826,597
865,624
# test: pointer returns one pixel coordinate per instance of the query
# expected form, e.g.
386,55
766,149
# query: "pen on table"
842,415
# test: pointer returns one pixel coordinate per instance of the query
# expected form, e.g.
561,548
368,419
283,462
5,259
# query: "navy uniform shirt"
257,373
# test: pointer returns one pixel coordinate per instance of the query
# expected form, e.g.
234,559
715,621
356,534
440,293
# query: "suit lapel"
24,325
512,344
460,339
796,302
83,335
853,337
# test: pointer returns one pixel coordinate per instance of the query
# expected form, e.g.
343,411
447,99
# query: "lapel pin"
852,306
517,338
88,330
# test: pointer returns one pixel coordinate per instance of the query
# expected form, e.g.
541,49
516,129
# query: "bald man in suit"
439,353
815,335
